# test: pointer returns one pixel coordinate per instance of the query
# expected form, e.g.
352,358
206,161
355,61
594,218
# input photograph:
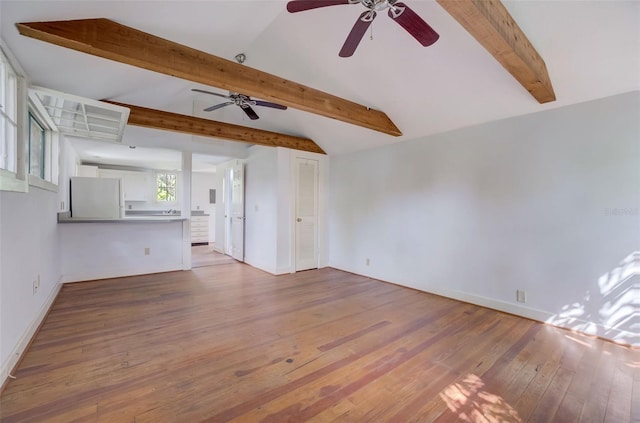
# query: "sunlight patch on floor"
472,404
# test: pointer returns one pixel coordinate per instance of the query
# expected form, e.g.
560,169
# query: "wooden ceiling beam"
158,119
489,22
110,40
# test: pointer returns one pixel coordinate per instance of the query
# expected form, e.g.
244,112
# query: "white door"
237,211
226,195
306,225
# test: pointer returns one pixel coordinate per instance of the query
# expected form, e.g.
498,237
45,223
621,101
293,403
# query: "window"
14,172
81,117
36,147
166,183
8,115
42,143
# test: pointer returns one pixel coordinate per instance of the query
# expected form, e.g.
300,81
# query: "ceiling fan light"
377,5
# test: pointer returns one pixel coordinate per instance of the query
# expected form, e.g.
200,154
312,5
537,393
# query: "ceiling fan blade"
272,105
218,106
414,24
209,92
302,5
250,112
356,34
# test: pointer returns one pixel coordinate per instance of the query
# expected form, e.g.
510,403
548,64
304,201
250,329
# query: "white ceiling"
591,48
110,153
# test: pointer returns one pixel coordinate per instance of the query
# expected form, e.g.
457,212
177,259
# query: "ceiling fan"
241,100
399,12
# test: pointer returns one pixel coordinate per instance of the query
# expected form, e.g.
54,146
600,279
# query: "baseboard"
119,273
588,328
264,268
16,355
585,327
511,308
283,270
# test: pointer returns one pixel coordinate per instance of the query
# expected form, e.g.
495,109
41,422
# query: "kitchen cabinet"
137,185
199,229
87,171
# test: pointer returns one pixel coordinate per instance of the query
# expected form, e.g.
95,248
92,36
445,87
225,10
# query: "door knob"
299,219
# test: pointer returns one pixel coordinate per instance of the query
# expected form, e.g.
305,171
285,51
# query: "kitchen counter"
132,213
64,218
143,213
108,248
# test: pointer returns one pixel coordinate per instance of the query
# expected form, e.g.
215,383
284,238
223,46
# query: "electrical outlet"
521,296
367,262
147,251
35,287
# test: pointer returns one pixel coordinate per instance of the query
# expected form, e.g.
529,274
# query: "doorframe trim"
229,172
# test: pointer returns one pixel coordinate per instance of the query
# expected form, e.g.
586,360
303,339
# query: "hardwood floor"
232,343
204,255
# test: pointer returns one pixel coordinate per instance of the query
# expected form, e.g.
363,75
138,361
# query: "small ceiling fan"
241,100
399,12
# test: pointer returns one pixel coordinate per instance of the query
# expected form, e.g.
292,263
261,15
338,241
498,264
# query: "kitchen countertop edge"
141,219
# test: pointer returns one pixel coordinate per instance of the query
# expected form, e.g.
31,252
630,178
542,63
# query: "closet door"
306,207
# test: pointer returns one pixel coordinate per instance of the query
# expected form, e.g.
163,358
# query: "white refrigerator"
97,198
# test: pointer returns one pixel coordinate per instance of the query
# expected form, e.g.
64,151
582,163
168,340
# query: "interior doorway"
236,182
205,255
206,203
234,217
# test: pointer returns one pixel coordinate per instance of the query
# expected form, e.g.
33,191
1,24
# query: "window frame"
8,109
33,121
17,180
156,176
48,177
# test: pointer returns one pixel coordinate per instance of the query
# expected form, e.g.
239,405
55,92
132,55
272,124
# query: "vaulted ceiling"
591,49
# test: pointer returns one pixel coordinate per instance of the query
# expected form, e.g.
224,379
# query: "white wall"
284,214
261,208
524,203
201,183
107,250
28,248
